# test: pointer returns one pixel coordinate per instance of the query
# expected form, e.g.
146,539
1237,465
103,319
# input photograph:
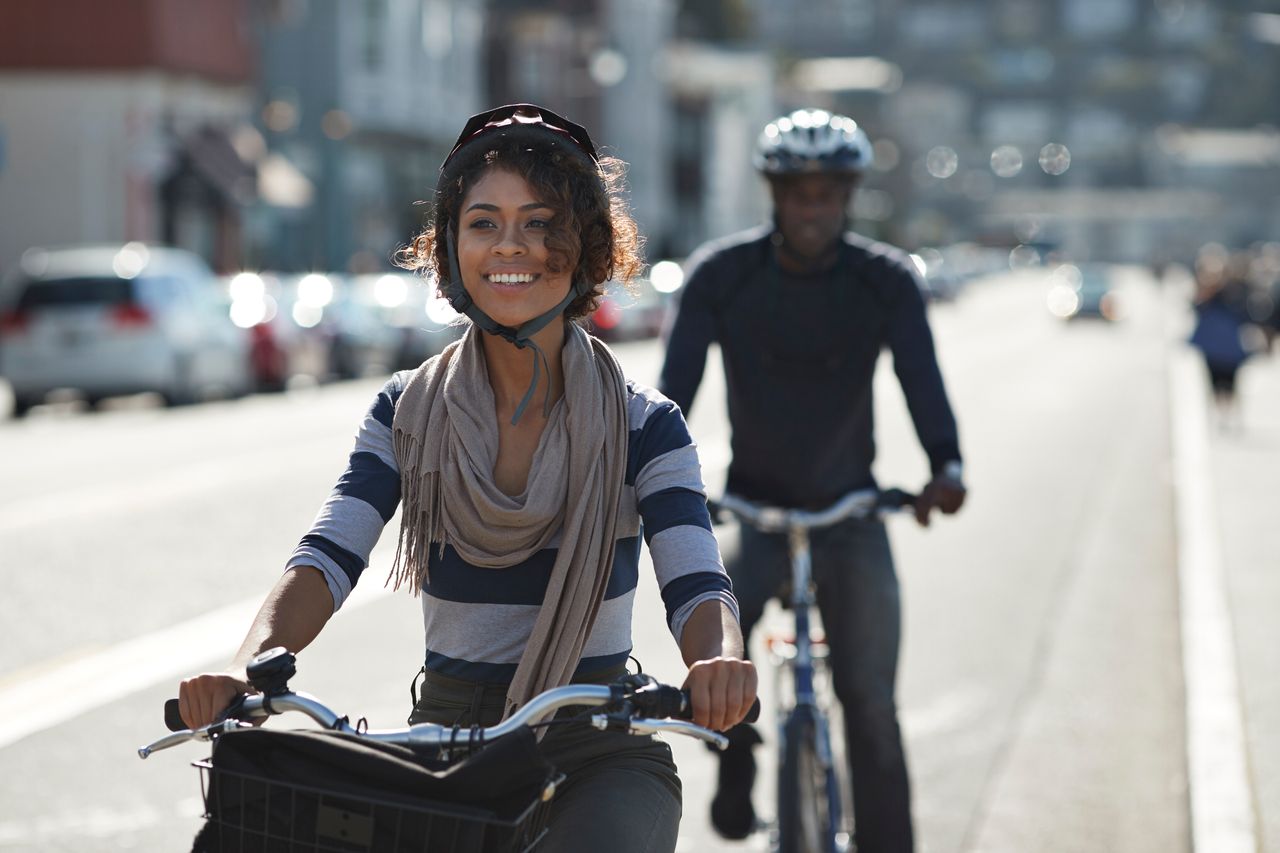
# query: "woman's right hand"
203,697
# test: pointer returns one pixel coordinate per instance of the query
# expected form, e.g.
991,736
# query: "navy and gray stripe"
477,621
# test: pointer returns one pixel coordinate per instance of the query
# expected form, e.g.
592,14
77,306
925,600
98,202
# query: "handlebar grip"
173,717
896,499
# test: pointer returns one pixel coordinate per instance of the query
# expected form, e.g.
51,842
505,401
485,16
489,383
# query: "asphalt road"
1041,681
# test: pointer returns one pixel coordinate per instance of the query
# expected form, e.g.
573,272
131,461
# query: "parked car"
422,323
413,324
106,320
630,315
287,342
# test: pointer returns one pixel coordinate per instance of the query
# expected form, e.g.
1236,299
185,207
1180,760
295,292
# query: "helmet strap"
520,337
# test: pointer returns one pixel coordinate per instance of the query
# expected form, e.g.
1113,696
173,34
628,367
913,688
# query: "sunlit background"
203,199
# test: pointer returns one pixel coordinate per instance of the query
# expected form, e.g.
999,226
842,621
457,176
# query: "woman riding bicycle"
527,466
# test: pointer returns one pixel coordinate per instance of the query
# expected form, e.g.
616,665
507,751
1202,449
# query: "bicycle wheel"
805,822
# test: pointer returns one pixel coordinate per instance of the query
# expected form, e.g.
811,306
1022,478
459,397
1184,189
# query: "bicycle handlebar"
639,710
770,519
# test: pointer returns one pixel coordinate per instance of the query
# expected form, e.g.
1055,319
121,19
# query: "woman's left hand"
722,690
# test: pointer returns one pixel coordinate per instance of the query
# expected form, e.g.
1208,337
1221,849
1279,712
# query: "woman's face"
502,252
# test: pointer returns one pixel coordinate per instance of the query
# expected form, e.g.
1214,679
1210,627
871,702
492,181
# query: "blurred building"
723,98
1116,129
657,87
122,121
366,98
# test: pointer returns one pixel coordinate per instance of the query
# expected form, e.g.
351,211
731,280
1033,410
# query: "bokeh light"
439,311
1055,159
1006,161
130,260
885,155
307,316
942,162
315,290
666,276
390,290
1024,257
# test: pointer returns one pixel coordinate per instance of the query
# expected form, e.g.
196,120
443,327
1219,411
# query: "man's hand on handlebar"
721,690
202,698
943,492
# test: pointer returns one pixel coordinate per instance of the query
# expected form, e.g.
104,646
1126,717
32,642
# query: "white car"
121,319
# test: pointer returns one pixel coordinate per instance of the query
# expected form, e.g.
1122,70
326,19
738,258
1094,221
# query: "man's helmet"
813,142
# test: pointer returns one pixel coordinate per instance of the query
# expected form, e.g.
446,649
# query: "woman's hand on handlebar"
203,697
721,690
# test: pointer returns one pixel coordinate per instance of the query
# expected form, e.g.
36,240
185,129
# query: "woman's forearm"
711,632
291,616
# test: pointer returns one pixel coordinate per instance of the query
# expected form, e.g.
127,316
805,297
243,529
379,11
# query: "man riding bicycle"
801,309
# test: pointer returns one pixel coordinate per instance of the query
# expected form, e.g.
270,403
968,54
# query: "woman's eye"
481,223
539,223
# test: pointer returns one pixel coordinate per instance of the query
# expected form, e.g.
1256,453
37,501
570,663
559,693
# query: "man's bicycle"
347,788
810,800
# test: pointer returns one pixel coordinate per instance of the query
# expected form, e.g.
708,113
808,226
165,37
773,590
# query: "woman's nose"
510,242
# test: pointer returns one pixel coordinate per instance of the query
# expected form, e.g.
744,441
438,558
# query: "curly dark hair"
592,227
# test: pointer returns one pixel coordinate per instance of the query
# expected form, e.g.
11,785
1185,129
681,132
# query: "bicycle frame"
801,665
797,524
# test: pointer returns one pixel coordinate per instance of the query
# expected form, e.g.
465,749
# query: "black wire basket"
248,813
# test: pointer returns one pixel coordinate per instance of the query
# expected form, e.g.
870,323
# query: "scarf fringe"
418,527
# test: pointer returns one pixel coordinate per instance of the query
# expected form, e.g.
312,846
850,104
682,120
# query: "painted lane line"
1222,818
78,686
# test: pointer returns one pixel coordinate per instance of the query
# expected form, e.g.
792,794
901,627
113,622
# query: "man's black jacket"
799,353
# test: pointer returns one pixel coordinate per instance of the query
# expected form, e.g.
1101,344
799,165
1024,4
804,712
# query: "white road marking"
70,689
1222,818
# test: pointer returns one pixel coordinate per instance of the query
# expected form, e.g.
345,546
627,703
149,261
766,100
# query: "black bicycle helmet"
813,141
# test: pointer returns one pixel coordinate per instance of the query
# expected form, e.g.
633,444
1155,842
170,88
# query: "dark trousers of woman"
857,591
620,794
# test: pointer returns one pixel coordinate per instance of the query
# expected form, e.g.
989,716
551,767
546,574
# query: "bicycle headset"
538,128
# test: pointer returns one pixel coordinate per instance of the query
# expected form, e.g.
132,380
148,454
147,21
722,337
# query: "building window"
375,17
437,28
1094,18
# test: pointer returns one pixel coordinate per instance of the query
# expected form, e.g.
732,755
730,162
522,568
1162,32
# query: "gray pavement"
1246,483
1041,690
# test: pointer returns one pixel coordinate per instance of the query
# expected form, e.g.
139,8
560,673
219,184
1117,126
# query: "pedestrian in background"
1221,310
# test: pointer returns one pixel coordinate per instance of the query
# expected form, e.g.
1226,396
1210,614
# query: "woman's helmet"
812,142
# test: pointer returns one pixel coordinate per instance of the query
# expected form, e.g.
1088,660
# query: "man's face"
811,210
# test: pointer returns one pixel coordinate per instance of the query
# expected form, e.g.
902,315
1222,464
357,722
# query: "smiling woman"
521,525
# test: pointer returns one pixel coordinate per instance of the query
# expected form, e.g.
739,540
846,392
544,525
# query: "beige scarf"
446,444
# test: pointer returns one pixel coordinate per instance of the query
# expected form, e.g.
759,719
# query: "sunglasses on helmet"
522,115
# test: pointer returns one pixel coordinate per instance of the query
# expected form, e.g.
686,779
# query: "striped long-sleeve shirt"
478,620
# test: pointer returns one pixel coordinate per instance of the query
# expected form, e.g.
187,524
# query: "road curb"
1220,795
